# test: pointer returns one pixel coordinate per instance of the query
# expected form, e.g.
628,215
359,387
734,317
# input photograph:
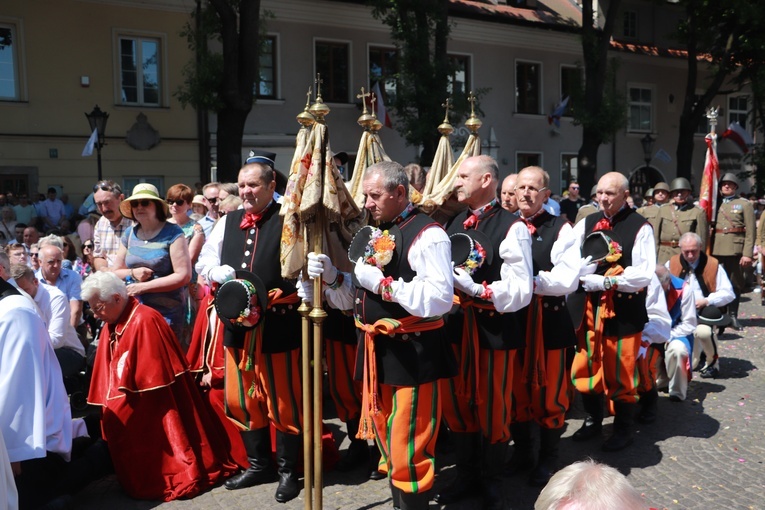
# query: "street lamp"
97,120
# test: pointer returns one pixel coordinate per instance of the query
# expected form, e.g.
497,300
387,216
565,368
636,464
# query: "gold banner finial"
366,120
473,123
318,108
445,128
305,118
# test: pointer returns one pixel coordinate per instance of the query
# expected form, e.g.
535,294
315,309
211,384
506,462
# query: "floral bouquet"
379,249
250,315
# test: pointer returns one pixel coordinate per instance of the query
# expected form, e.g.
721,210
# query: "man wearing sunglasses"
569,207
110,227
210,192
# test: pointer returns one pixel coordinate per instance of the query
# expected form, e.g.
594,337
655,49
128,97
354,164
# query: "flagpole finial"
365,120
712,114
305,118
445,128
318,109
473,123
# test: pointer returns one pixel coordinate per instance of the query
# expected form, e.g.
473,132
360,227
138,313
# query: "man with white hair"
67,281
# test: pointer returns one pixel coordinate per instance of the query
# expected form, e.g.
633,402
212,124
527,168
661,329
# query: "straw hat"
199,200
143,191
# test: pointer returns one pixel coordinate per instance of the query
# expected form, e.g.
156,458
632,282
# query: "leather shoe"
249,478
540,476
288,488
461,487
589,429
619,441
710,373
675,398
735,324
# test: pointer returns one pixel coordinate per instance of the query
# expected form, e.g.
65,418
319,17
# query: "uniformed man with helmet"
734,235
676,219
660,196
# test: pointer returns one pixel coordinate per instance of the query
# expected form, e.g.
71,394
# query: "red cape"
163,442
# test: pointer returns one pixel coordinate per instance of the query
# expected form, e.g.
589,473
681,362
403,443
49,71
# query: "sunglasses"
87,246
107,186
141,203
177,203
574,187
34,254
211,200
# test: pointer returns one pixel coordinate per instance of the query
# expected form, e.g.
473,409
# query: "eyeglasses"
211,200
530,189
177,203
107,186
87,246
34,254
99,307
141,203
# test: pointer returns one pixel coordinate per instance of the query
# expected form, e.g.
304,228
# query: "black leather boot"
357,453
623,419
419,501
648,406
733,312
287,453
467,449
593,423
374,463
549,439
257,444
523,448
395,496
492,464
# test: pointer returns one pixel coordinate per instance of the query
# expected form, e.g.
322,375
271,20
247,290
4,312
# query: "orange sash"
605,311
409,324
467,384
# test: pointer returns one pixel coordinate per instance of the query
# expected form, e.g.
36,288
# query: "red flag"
710,178
380,110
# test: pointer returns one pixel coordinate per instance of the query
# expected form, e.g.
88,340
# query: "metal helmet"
730,177
594,190
648,193
661,186
680,183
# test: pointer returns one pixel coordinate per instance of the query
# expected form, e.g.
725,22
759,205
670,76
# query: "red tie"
470,222
603,224
249,220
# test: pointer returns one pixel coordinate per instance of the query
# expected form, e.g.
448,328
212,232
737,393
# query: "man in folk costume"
541,374
262,366
676,219
609,312
484,331
711,287
403,351
734,236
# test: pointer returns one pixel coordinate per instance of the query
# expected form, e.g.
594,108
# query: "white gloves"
368,276
464,282
221,274
305,290
586,266
643,350
319,265
593,282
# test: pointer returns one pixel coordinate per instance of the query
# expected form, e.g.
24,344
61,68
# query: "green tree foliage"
420,30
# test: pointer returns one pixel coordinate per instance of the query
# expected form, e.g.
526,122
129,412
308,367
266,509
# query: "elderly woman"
154,256
161,438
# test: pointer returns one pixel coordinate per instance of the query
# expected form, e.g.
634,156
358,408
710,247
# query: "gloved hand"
586,266
221,274
592,282
464,282
305,290
368,276
319,265
643,349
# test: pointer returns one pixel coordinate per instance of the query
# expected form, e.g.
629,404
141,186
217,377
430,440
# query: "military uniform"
672,223
651,213
734,237
586,210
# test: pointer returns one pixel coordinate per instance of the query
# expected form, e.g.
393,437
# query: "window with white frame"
524,159
266,87
333,64
140,70
630,24
10,73
569,168
640,109
738,110
571,79
383,68
459,79
528,87
131,182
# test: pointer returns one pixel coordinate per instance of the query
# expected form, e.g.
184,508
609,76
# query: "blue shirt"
68,282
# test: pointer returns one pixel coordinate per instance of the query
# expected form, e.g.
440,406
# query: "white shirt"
9,498
688,320
638,275
57,316
659,325
430,292
35,417
563,278
724,290
516,284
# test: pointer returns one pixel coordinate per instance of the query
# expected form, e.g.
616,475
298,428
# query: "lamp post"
97,120
647,142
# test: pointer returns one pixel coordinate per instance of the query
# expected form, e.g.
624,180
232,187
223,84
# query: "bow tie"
249,220
530,225
470,222
603,224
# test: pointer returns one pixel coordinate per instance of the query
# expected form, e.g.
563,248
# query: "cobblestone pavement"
706,452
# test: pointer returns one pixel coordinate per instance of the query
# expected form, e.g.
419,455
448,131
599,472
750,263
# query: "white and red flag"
739,135
380,111
710,178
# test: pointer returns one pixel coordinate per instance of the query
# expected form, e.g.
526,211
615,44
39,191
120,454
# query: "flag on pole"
88,150
739,135
380,111
555,116
710,178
